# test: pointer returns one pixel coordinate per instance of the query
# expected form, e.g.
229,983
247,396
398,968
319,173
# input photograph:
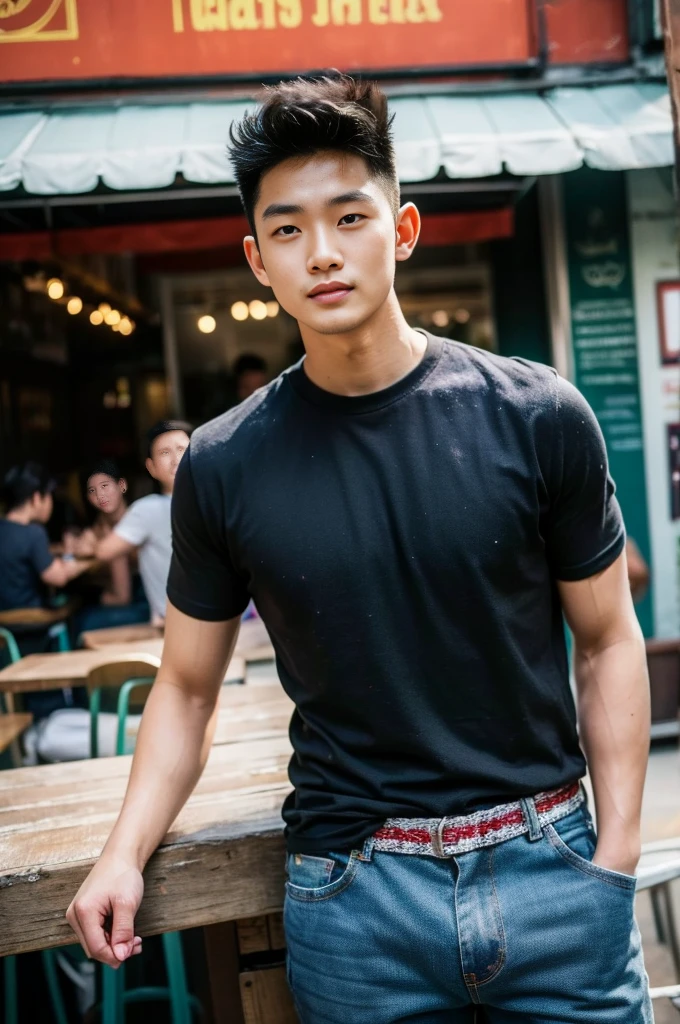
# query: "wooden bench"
12,725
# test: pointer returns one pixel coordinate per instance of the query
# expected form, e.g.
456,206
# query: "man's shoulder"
515,380
236,431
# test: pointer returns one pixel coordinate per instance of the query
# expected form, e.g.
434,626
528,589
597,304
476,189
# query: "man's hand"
624,858
103,912
85,545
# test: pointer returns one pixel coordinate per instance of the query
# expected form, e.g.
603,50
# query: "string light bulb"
55,288
96,317
74,305
257,309
239,311
112,318
272,308
206,323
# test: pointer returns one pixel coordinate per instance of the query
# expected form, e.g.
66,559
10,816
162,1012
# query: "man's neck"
19,515
379,353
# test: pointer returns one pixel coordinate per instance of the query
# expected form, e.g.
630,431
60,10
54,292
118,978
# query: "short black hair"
309,115
23,481
248,362
164,427
106,467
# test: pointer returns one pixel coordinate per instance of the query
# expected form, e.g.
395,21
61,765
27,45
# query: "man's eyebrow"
281,210
355,196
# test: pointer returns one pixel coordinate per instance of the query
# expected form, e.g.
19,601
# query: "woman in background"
105,489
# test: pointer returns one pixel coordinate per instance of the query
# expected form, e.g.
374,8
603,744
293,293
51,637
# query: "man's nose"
324,255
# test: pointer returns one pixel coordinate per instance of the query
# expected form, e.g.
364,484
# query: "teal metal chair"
48,957
131,679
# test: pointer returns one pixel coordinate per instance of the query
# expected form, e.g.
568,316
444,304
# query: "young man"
437,509
146,525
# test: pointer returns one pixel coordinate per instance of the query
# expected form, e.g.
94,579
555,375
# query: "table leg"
221,951
14,748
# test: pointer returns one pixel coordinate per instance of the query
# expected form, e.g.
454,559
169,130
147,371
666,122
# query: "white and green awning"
128,147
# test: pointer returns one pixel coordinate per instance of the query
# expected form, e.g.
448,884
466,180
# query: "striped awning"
133,146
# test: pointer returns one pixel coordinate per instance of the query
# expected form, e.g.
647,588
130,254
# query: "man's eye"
287,229
352,218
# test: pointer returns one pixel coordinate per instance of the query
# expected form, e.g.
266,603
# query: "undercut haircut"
308,116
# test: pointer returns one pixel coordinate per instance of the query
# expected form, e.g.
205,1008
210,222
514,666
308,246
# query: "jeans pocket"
574,855
311,879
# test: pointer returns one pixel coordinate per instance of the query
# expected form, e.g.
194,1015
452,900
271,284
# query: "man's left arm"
613,706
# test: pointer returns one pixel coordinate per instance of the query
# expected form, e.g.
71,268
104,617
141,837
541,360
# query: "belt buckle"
437,839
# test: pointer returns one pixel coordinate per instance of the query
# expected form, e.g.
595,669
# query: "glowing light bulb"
257,309
239,311
74,305
272,308
55,288
206,324
96,317
104,308
112,318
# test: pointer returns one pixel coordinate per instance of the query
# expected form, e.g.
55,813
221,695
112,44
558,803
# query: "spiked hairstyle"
309,115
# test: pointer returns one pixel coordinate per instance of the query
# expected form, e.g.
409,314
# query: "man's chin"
341,322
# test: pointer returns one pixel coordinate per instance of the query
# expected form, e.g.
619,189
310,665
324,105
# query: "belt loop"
531,817
367,849
437,838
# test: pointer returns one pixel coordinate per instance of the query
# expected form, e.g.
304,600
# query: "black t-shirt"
402,548
24,555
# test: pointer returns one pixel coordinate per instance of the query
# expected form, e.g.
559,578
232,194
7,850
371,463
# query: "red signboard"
107,39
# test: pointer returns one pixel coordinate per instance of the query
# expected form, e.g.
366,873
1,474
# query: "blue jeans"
525,931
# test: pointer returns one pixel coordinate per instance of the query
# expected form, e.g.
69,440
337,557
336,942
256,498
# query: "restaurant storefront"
520,145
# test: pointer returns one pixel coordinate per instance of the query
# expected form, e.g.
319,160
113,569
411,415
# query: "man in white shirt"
145,527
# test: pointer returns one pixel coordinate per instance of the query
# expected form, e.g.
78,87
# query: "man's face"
326,241
43,505
166,453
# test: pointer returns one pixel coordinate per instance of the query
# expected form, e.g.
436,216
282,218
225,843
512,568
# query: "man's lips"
333,291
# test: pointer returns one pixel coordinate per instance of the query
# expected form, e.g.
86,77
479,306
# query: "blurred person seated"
105,488
250,373
145,527
28,567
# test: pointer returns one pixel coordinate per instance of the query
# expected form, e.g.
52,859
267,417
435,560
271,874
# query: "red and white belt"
445,837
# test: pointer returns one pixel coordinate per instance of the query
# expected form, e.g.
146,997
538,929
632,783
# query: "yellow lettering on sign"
207,15
397,11
414,11
377,12
432,12
290,13
268,13
242,14
322,14
346,12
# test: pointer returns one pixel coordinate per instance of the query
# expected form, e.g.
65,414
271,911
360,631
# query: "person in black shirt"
412,517
26,563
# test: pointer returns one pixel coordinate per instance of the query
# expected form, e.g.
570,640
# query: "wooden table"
70,668
222,859
96,638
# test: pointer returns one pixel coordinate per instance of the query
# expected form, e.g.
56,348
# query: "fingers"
123,927
88,923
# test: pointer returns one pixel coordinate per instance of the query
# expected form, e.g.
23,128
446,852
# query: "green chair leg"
11,994
56,998
113,988
124,708
11,644
95,705
60,632
177,979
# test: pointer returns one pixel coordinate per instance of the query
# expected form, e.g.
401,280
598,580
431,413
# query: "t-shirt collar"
306,388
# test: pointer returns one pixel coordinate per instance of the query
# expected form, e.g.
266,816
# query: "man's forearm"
614,720
172,748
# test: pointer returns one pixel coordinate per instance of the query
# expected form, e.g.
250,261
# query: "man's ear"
407,231
150,468
255,260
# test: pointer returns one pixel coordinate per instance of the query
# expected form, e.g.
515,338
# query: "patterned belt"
445,837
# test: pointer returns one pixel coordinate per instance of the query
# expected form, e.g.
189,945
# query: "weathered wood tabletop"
222,860
70,668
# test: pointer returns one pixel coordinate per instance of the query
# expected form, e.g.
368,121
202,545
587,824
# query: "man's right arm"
172,748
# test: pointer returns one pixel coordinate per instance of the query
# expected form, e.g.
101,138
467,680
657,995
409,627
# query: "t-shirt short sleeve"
135,526
585,531
203,581
41,556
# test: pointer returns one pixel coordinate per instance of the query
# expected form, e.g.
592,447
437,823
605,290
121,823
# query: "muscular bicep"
113,546
599,609
196,653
